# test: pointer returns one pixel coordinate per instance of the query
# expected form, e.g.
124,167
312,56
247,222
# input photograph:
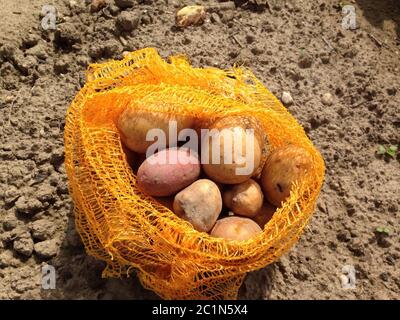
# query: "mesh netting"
131,231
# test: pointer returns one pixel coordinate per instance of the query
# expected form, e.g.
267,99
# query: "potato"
200,204
265,214
245,199
283,167
235,228
232,137
168,171
133,126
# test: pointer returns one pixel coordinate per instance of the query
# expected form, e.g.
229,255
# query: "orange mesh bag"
130,230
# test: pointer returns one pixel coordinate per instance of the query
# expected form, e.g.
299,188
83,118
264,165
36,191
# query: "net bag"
131,231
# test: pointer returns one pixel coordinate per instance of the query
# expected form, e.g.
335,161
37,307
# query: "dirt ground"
345,86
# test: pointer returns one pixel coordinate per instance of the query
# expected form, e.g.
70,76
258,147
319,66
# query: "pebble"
67,35
343,236
23,245
42,229
286,98
111,48
128,21
28,206
327,99
39,51
25,64
61,66
305,61
46,249
97,5
30,40
215,18
257,50
10,222
123,4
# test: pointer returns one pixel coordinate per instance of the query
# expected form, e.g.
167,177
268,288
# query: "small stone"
343,236
146,19
384,276
61,66
95,51
42,229
39,51
382,240
250,38
10,222
67,35
305,61
286,98
24,64
128,21
11,195
57,156
356,247
23,245
28,205
7,259
113,9
325,59
30,40
7,51
391,91
257,50
46,249
215,18
111,48
327,99
97,5
123,4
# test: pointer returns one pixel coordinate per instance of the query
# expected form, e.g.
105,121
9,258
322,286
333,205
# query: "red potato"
265,214
160,178
283,167
200,204
235,228
245,199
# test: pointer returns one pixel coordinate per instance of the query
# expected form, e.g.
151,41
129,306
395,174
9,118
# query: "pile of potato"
212,197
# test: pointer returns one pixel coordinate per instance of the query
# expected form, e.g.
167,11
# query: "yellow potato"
235,228
237,160
265,214
200,204
133,126
244,199
284,166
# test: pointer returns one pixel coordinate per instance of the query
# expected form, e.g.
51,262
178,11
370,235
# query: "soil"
344,88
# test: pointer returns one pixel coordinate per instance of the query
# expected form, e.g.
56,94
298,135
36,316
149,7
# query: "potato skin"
226,172
283,167
265,214
133,126
160,180
200,204
235,228
245,199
